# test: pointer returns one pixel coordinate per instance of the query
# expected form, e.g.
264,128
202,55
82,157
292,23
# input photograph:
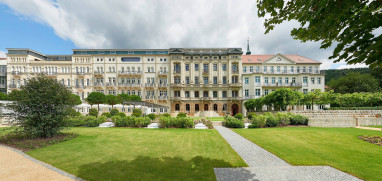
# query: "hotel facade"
202,82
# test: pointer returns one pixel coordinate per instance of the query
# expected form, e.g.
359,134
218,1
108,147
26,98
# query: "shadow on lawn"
148,168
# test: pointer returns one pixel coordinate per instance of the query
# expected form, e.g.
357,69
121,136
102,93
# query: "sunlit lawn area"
212,118
375,126
336,147
141,154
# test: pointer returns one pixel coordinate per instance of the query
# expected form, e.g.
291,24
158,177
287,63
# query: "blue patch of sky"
21,32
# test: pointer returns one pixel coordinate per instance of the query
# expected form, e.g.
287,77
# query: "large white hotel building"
197,81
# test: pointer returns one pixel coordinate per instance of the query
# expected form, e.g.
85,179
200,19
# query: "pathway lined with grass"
266,166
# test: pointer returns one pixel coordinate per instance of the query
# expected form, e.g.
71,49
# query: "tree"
41,106
312,97
255,104
114,112
96,98
3,96
123,98
134,98
112,100
354,82
93,112
283,97
75,99
349,24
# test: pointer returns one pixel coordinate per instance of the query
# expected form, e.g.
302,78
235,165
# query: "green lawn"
336,147
5,130
375,126
141,154
212,118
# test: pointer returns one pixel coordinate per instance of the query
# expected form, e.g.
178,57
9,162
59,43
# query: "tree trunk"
312,104
98,107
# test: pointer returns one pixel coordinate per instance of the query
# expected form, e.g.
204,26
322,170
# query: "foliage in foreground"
41,107
176,122
232,122
23,142
131,121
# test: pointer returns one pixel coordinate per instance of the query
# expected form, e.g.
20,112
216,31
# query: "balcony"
206,98
98,73
162,74
235,71
80,74
236,98
177,71
281,85
205,71
131,85
110,84
149,97
130,74
50,74
162,86
80,86
162,97
98,84
16,73
176,85
148,85
288,72
13,86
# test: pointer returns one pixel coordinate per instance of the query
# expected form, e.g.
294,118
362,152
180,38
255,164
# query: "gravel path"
16,165
266,166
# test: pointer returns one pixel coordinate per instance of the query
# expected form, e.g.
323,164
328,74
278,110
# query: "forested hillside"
337,73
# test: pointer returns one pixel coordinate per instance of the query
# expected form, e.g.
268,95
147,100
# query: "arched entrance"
235,109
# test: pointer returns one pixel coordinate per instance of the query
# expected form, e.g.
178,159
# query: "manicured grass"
212,118
5,130
141,154
375,126
336,147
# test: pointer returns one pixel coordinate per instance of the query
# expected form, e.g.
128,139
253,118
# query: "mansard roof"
258,59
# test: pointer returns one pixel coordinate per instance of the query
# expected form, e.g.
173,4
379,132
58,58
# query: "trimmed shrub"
181,115
132,121
239,116
121,114
137,113
232,122
253,126
93,112
282,118
102,119
177,122
152,116
297,119
115,118
106,114
259,121
114,111
165,115
251,115
271,121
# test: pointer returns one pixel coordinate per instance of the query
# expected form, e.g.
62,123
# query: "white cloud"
345,66
2,54
165,24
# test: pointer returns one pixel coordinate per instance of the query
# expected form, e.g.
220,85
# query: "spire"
248,51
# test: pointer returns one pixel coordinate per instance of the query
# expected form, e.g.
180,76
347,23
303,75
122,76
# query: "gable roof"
258,59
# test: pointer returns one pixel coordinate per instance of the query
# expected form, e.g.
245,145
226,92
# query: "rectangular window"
318,80
215,94
205,93
205,68
286,80
224,80
196,80
234,79
235,93
187,80
244,69
291,69
266,80
266,92
187,67
246,92
312,80
272,70
303,69
273,80
265,68
310,69
278,68
305,80
257,79
257,92
224,94
246,80
187,94
196,94
298,69
215,80
196,67
305,91
215,67
205,80
280,80
285,69
251,68
224,67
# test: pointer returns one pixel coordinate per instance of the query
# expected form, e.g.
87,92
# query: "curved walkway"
16,165
263,165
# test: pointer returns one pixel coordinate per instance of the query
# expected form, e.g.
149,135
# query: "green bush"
114,111
73,112
93,112
137,113
239,116
282,118
181,115
88,121
92,121
132,121
177,122
121,114
297,119
102,119
251,115
165,115
271,121
260,121
232,122
115,118
106,114
208,123
152,116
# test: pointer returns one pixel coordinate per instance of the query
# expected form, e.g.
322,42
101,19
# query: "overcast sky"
59,26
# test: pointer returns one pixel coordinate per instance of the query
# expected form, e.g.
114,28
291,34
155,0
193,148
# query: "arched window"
205,107
224,107
177,107
133,69
187,107
215,107
196,107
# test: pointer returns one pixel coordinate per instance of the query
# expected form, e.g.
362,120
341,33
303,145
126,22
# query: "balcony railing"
129,85
235,71
12,86
110,84
277,84
80,86
50,73
149,85
149,97
162,73
98,84
284,72
134,73
98,72
177,71
162,97
162,85
16,73
80,73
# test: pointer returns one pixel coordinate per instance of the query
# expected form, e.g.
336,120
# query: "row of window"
177,67
187,94
196,107
18,59
267,91
234,79
280,80
302,69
